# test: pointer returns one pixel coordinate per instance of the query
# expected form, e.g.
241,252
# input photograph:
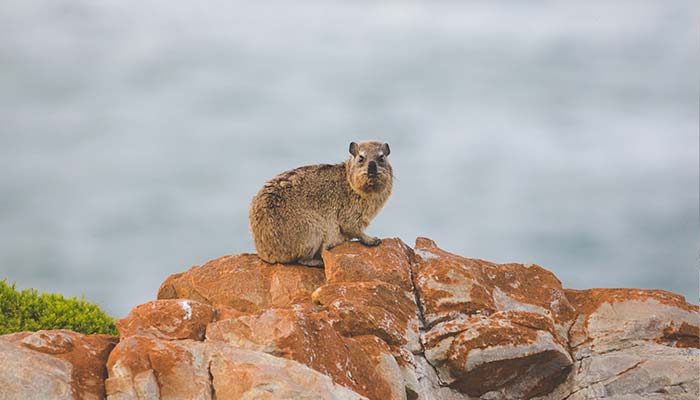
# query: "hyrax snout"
300,212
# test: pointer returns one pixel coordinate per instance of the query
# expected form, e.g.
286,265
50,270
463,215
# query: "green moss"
30,311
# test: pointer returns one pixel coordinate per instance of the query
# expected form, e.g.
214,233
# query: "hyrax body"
300,212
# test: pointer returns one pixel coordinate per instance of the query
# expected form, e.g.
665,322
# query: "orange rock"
632,343
144,367
167,319
451,285
608,316
685,335
54,364
355,262
244,374
492,328
372,353
149,368
502,352
244,282
221,313
372,308
241,328
305,336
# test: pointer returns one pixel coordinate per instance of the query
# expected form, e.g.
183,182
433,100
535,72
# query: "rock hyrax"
300,212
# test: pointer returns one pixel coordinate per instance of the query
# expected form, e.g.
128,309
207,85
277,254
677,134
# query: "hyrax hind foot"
314,262
370,241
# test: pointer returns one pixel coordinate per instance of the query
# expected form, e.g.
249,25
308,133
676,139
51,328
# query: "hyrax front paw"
370,241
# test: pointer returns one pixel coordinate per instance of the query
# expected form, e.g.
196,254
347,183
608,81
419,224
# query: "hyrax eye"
361,159
381,158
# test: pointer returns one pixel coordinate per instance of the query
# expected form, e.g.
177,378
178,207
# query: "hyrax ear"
385,149
353,149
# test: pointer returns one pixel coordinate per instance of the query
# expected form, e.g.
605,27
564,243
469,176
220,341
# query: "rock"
380,323
449,285
167,319
632,343
486,330
145,367
372,308
427,385
26,374
306,336
354,262
245,283
297,334
502,353
369,290
222,313
244,374
376,365
620,317
647,371
56,364
496,329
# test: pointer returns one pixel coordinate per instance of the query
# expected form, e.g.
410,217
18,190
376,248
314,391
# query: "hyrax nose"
372,168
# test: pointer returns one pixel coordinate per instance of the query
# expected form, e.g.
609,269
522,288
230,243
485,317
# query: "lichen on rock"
386,322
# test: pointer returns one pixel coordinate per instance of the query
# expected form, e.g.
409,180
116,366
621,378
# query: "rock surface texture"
386,322
55,364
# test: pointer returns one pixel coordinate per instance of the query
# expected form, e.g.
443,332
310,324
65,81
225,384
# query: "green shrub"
30,311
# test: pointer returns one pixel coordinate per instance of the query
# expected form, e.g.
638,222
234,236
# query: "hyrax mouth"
372,183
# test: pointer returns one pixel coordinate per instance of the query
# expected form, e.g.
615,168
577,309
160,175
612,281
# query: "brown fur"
300,212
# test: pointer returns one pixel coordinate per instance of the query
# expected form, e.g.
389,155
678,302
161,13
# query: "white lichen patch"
337,304
425,254
186,308
386,323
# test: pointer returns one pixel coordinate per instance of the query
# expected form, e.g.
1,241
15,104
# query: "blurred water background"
134,134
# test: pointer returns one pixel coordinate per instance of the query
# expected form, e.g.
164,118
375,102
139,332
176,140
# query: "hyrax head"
368,167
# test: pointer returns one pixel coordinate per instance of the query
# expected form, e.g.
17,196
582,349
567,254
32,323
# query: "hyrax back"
300,212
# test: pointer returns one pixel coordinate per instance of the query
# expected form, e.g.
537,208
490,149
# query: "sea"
134,134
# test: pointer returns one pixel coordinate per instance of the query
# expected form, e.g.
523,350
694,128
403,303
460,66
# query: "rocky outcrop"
388,322
496,329
167,319
244,283
56,364
307,336
634,343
